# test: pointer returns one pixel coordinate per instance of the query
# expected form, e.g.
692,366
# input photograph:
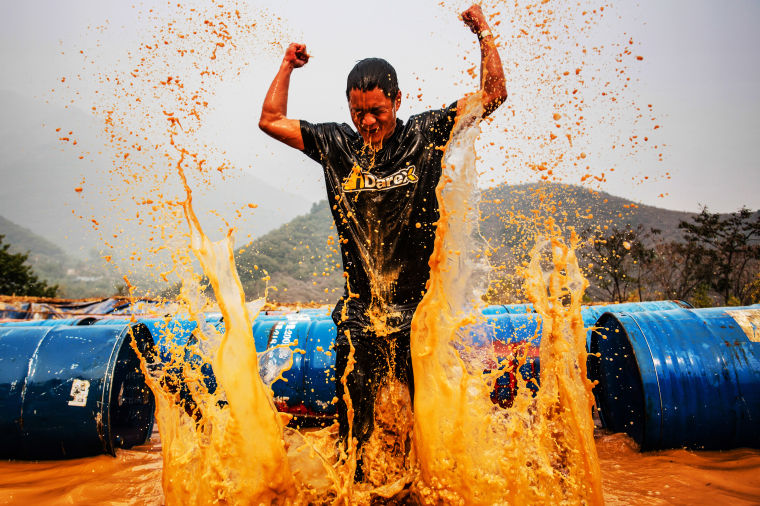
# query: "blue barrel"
319,382
519,308
170,334
308,387
72,391
678,378
167,332
508,308
311,315
81,320
510,337
316,312
516,326
504,329
592,313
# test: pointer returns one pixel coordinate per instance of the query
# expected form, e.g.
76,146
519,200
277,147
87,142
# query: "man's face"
373,114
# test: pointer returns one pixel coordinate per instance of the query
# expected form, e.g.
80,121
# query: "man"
381,186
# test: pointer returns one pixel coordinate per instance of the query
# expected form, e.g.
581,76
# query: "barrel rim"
127,332
602,326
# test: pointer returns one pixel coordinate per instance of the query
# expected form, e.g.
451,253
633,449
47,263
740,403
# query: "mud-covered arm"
274,119
493,87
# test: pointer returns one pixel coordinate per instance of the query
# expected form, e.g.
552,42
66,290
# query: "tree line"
716,262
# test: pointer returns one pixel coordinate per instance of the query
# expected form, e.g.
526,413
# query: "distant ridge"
580,207
299,257
23,240
305,266
75,277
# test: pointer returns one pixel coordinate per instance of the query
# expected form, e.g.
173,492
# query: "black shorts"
378,358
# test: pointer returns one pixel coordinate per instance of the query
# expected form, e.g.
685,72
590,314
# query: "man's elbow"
268,126
264,125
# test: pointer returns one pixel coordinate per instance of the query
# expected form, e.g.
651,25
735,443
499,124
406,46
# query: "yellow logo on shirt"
358,180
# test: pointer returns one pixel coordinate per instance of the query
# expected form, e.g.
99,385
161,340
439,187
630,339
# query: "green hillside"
301,257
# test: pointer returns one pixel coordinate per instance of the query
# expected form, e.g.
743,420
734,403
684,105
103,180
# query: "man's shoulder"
433,119
327,128
444,109
326,139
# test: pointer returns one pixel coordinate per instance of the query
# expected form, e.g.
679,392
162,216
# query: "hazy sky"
700,72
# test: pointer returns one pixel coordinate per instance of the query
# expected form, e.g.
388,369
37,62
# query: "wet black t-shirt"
384,202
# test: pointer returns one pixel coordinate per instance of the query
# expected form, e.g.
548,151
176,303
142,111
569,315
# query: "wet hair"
371,73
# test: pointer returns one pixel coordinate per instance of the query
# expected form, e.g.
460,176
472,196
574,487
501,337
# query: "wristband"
485,33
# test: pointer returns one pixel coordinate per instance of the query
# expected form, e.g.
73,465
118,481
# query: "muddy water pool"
628,477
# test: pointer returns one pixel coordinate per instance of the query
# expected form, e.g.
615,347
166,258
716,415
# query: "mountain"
304,263
76,278
302,258
40,173
509,214
23,240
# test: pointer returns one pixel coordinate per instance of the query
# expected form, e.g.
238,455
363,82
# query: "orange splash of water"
470,451
467,449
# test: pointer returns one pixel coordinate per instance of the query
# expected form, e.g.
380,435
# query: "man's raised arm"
492,81
274,121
